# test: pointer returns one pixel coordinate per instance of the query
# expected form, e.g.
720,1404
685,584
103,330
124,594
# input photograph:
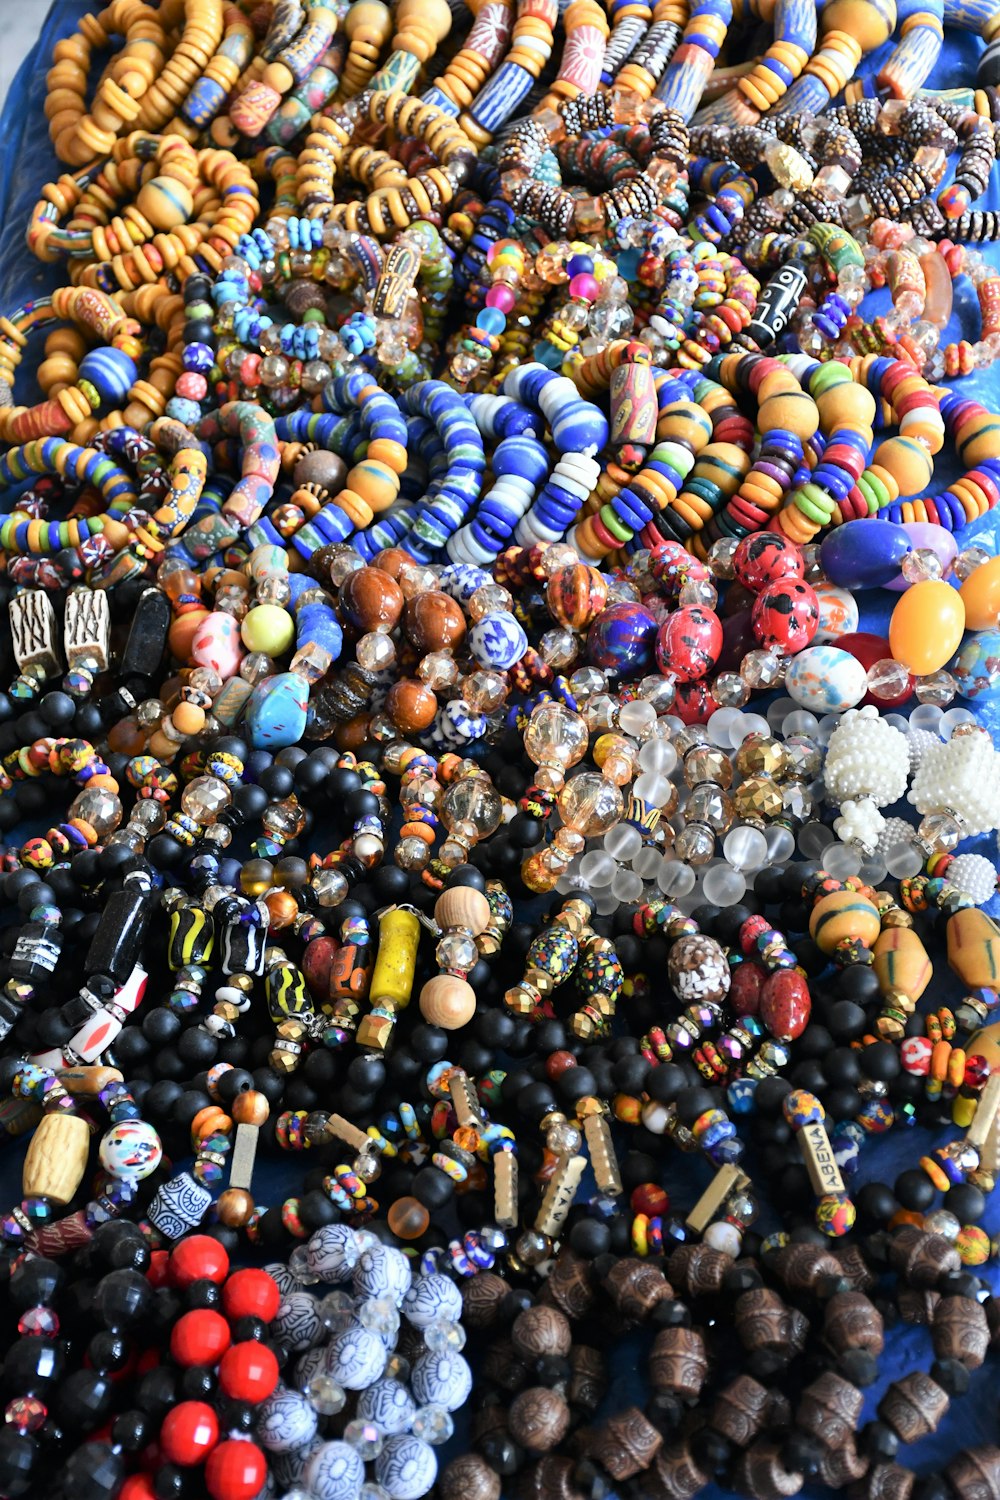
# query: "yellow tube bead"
395,966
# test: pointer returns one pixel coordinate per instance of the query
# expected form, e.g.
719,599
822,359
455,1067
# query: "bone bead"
57,1158
921,1258
883,1482
678,1362
913,1406
960,1331
975,1473
852,1321
741,1410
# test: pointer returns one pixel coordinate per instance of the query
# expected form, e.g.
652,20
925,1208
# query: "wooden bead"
916,1305
841,1465
884,1482
740,1411
505,1367
57,1158
569,1285
914,1406
235,1207
636,1286
448,1002
250,1108
852,1321
678,1362
800,1267
626,1445
589,1379
541,1331
678,1473
539,1419
761,1474
481,1299
975,1473
922,1258
698,1269
463,906
765,1322
469,1477
829,1409
960,1331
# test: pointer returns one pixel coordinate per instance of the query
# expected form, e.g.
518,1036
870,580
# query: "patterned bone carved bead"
678,1362
481,1298
469,1477
765,1321
33,632
884,1482
852,1321
541,1330
698,1269
589,1378
975,1473
569,1286
921,1258
761,1474
913,1406
741,1410
87,629
504,1366
627,1444
855,1268
551,1478
960,1331
800,1267
678,1473
917,1305
841,1466
636,1286
829,1410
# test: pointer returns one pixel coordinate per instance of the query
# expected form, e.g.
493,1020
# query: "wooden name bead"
569,1285
636,1287
914,1406
741,1410
57,1158
841,1465
505,1206
481,1299
761,1474
764,1322
727,1180
801,1268
588,1382
541,1331
922,1258
829,1409
626,1445
852,1321
960,1331
677,1473
539,1419
698,1269
678,1362
559,1195
469,1477
916,1305
883,1482
975,1473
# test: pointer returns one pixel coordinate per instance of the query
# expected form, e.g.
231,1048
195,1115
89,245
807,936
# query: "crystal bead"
968,560
380,1315
336,1311
397,1367
365,1438
325,1396
939,832
372,1490
39,1322
938,688
375,652
433,1424
444,1337
888,680
761,669
695,844
25,1413
298,1264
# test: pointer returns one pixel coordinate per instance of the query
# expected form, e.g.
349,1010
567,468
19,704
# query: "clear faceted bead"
433,1425
325,1395
921,565
298,1264
366,1438
938,688
444,1337
968,560
761,669
337,1311
940,832
888,679
380,1315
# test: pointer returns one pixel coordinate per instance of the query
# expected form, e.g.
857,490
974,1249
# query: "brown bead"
698,1269
841,1465
589,1378
627,1444
854,1266
761,1474
569,1285
392,561
283,908
469,1477
411,705
319,467
433,621
540,1331
234,1207
913,1406
538,1419
740,1411
829,1409
371,599
447,1001
884,1482
678,1362
921,1258
463,906
551,1478
678,1473
960,1331
765,1321
800,1267
504,1366
852,1321
917,1305
975,1473
251,1108
481,1299
636,1286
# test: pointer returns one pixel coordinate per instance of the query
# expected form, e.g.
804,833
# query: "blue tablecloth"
26,163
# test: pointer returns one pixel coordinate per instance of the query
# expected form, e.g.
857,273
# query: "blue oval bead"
864,554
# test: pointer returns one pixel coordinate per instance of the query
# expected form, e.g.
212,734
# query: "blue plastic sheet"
26,164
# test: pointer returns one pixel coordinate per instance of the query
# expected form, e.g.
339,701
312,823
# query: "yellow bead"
980,593
268,628
926,626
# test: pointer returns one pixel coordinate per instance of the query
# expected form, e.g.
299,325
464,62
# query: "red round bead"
559,1062
235,1471
248,1372
159,1268
137,1487
198,1259
785,1004
649,1198
251,1294
189,1433
200,1337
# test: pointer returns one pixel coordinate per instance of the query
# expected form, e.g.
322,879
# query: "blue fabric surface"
26,163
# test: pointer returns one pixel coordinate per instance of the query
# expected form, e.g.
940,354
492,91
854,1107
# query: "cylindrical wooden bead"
829,1409
740,1411
884,1482
916,1305
840,1465
678,1362
761,1474
913,1406
765,1322
589,1378
801,1266
922,1258
975,1473
636,1286
569,1285
627,1444
698,1269
678,1473
57,1158
852,1321
960,1331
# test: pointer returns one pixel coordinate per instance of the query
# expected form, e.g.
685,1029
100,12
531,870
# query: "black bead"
951,1375
801,1454
879,1442
19,1454
914,1190
83,1400
669,1313
875,1203
95,1470
966,1202
858,1366
433,1188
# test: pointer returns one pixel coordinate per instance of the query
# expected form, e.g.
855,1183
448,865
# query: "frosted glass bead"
902,860
636,718
647,863
780,843
801,722
623,842
605,903
745,848
814,838
626,886
873,869
927,716
827,724
751,724
658,754
897,721
952,718
598,868
720,726
675,879
653,788
778,711
841,860
723,885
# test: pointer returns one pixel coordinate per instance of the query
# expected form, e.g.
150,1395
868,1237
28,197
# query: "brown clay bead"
975,1473
488,1421
852,1321
469,1477
589,1379
433,621
541,1330
853,1265
960,1331
740,1411
842,1464
829,1409
392,561
921,1258
371,599
698,1269
636,1287
321,468
411,705
678,1473
913,1406
627,1444
917,1306
765,1321
761,1474
569,1285
235,1206
678,1362
801,1266
481,1299
883,1482
250,1108
538,1419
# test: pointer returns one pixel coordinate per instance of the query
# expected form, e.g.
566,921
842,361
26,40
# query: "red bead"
248,1372
694,702
744,991
251,1294
159,1268
200,1337
766,558
235,1471
189,1433
785,1004
558,1062
137,1487
198,1259
649,1198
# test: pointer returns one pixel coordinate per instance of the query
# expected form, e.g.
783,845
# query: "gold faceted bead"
589,1106
899,1000
521,999
897,917
242,982
227,1010
760,755
758,796
890,1029
375,1031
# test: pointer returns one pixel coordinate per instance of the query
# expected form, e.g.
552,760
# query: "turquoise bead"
276,711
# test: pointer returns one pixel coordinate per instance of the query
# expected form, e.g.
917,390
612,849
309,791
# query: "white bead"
724,1237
